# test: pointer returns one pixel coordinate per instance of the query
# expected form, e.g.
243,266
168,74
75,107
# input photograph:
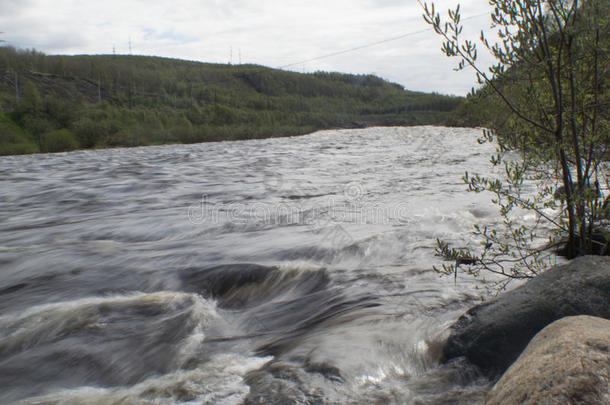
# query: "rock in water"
565,363
493,334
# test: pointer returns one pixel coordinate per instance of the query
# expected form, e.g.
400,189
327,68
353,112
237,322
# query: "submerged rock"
565,363
219,280
493,334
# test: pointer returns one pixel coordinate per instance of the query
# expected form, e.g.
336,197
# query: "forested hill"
54,103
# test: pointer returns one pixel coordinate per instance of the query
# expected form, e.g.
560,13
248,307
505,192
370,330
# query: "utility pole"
99,88
130,45
17,86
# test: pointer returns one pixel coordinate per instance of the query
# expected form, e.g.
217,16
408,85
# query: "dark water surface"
293,270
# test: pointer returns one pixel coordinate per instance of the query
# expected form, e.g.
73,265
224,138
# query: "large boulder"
565,363
493,334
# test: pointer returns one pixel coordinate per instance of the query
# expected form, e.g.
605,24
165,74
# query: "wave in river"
293,270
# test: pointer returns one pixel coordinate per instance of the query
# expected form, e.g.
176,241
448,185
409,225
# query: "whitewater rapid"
289,270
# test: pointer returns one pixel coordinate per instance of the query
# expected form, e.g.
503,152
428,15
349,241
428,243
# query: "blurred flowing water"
292,270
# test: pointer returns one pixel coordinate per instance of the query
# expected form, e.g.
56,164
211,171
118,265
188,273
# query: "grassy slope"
151,100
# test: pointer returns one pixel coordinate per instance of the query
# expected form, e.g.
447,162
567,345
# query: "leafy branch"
551,75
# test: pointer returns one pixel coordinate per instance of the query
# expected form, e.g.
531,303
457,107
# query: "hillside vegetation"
57,103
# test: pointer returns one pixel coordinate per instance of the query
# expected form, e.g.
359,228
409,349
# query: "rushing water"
293,270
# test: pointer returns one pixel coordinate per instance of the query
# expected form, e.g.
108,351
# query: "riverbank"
59,103
565,363
494,334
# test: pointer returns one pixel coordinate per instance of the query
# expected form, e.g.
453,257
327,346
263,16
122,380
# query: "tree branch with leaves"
551,74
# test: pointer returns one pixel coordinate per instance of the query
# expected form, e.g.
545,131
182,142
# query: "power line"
219,81
369,45
335,53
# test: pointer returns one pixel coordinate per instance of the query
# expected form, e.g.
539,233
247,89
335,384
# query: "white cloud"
266,32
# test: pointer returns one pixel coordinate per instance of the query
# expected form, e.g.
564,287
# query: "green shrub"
23,148
13,140
90,132
36,125
125,137
60,140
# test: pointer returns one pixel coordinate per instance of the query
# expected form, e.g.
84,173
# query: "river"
288,270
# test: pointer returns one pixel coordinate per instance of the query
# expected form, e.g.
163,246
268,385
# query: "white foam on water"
218,381
365,205
47,321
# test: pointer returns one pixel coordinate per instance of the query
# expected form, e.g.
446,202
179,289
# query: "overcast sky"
266,32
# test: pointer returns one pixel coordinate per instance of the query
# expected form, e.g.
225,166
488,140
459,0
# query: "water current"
279,271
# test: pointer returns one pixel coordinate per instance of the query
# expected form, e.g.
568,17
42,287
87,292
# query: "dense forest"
57,103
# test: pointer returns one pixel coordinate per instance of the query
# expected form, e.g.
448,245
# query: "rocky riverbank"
494,334
565,363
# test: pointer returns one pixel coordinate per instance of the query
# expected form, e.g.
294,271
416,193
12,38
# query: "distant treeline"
57,103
